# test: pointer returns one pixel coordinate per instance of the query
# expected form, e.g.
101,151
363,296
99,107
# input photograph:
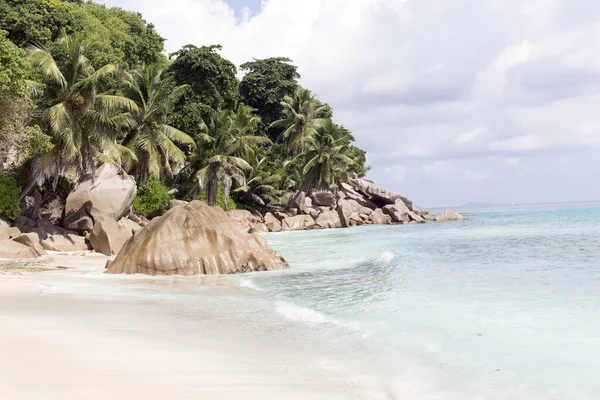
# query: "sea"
505,305
502,306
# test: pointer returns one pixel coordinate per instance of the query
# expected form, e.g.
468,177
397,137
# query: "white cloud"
419,81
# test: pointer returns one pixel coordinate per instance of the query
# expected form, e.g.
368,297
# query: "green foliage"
9,196
266,83
225,203
35,142
149,137
212,84
122,36
152,198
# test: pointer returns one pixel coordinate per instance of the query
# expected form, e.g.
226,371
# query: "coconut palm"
264,184
222,145
83,121
150,138
303,117
327,163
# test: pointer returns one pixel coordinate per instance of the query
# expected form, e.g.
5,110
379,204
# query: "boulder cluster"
193,238
358,202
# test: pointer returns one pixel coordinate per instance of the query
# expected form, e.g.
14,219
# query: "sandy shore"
62,339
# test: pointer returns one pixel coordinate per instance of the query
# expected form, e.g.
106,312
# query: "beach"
502,306
62,338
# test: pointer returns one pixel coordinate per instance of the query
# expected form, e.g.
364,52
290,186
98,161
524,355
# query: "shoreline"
81,334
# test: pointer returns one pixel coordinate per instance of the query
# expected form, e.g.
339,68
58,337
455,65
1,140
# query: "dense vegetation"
82,84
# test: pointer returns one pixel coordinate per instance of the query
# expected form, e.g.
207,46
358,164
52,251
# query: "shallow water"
503,306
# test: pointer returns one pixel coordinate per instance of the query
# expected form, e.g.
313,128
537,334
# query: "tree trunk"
27,189
211,191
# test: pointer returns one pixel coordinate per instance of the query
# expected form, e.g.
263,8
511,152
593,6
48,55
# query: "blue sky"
493,101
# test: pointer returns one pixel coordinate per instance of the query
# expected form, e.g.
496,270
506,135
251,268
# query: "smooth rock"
6,232
328,219
449,215
323,198
379,195
42,227
191,240
346,208
31,240
65,243
298,201
258,227
108,237
379,218
297,223
13,249
109,199
398,212
272,222
177,203
130,225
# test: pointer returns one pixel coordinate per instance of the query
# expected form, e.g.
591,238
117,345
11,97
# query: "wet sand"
58,344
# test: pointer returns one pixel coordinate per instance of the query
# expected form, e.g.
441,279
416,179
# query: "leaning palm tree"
303,117
326,164
222,146
83,121
150,138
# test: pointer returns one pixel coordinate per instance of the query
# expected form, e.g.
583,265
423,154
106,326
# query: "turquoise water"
505,305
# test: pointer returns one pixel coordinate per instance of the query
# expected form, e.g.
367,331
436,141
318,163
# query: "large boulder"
191,240
65,243
328,219
350,194
298,201
379,218
258,227
449,215
350,210
42,227
130,225
177,203
297,223
13,249
245,219
323,198
31,240
379,195
398,211
108,237
272,222
6,232
426,215
109,199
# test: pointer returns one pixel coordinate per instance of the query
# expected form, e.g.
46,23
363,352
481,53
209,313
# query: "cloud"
421,82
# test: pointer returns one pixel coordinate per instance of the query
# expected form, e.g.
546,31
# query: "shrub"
9,196
151,199
230,205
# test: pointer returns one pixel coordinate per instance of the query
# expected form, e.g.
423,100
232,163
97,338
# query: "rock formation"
449,215
195,239
109,199
108,237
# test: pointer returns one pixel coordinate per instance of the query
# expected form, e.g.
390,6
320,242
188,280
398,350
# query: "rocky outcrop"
130,225
177,203
298,201
272,222
12,249
65,243
449,215
379,218
245,219
42,227
108,237
195,239
109,199
6,232
328,219
379,195
400,213
258,227
426,215
31,240
350,210
323,198
297,223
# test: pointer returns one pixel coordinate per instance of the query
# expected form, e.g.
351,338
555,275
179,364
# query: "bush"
9,196
230,205
152,199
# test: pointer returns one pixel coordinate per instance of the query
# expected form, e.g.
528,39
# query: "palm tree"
304,116
328,163
263,183
150,138
83,121
223,144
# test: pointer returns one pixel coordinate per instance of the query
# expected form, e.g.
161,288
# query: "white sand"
57,343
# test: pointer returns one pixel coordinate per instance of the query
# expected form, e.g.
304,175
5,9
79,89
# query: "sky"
466,101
